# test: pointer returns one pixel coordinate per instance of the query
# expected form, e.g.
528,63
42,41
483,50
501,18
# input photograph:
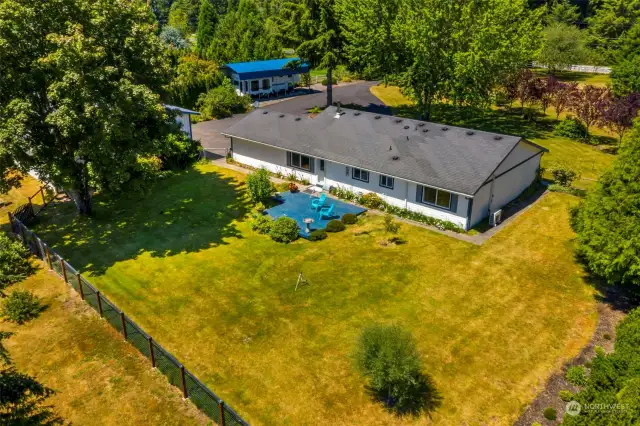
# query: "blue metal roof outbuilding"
269,68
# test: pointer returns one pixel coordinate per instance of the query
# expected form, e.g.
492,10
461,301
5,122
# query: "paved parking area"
208,132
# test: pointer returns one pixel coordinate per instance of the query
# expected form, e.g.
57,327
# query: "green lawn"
582,78
492,322
590,161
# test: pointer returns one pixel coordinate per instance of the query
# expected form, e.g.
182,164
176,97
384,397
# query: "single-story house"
183,118
450,173
264,78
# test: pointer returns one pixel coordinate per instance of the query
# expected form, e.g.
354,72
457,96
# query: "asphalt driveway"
208,132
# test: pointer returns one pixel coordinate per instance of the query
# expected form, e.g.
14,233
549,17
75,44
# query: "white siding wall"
511,184
521,152
273,159
480,205
402,195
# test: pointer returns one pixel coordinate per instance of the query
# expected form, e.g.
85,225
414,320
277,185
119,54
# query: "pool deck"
297,206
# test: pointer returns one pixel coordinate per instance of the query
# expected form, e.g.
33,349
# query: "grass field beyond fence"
492,322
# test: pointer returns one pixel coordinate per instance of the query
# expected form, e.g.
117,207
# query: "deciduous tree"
588,104
78,91
563,96
619,114
563,45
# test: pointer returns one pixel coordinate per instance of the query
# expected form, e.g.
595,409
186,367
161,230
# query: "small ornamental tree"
589,103
284,230
15,264
563,96
259,185
618,115
388,357
608,223
21,306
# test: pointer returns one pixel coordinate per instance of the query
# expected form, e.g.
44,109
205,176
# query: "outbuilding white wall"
184,120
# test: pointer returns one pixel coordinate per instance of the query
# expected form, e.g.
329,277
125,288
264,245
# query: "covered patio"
297,205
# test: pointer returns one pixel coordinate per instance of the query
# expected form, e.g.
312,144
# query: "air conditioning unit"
495,218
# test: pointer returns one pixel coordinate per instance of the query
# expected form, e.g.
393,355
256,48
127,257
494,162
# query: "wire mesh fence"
160,358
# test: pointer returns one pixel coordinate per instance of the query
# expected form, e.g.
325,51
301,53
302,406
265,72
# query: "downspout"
406,197
493,180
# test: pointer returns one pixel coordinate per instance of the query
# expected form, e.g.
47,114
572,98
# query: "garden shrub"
571,128
576,376
223,101
15,264
563,175
21,306
335,226
262,224
391,225
349,219
259,185
443,225
284,230
334,81
371,200
317,235
550,413
259,207
565,395
179,151
554,187
388,357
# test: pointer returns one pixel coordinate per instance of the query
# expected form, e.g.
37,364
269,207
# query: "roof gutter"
350,165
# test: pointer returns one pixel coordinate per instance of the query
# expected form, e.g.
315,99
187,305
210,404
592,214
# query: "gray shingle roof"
447,157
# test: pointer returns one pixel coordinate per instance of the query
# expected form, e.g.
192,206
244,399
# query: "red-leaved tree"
618,115
588,105
563,96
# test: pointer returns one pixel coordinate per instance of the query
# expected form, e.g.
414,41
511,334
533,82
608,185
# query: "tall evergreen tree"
609,24
608,222
321,43
207,20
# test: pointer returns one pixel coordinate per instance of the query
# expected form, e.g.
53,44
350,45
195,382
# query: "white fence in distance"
591,69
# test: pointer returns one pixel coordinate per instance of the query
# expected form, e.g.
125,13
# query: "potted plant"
293,187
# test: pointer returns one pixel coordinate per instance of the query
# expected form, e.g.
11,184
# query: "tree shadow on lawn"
424,398
185,213
505,120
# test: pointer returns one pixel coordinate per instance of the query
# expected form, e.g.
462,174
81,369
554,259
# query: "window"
386,181
255,85
266,83
436,197
299,161
322,165
359,174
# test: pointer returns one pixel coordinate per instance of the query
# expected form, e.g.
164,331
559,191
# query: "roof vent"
395,158
390,148
398,120
444,129
281,115
406,127
297,118
470,132
377,117
497,137
425,130
356,114
265,112
420,124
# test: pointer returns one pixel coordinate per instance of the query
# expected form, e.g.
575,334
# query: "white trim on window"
297,161
359,174
427,190
386,181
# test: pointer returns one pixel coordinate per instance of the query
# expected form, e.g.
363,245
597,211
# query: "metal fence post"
221,407
99,303
80,286
151,352
124,325
184,383
64,271
46,249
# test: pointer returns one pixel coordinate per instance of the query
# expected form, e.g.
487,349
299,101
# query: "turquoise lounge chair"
326,212
317,203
